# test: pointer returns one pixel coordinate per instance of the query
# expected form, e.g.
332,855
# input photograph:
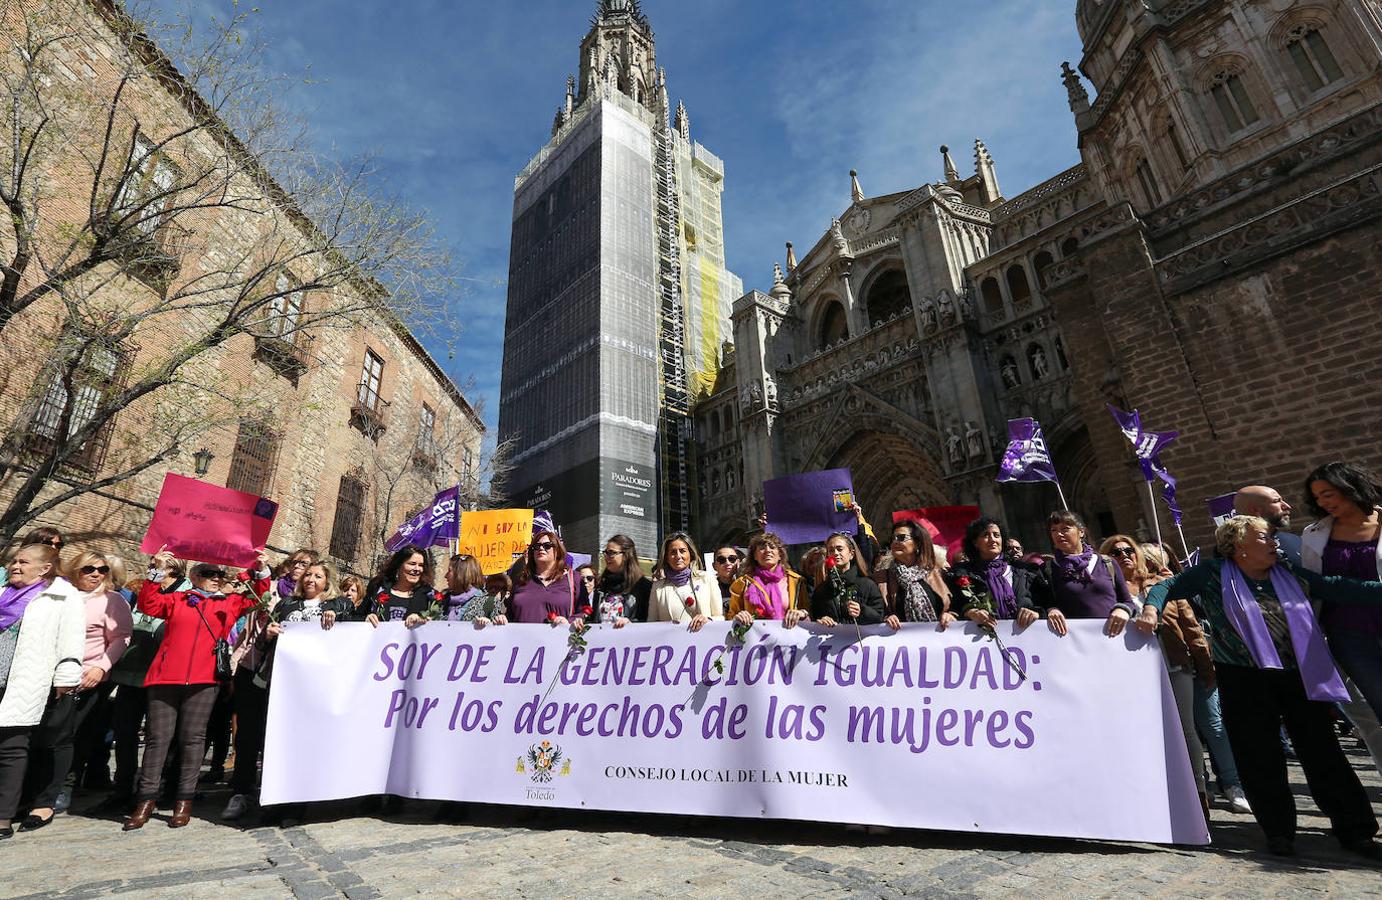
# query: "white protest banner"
918,728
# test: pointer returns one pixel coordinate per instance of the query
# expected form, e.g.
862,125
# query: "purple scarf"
680,579
768,584
1075,568
286,586
13,600
1317,671
1004,600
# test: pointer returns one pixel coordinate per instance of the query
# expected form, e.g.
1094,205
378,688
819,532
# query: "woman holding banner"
846,592
465,599
1273,668
402,591
769,589
545,589
682,591
1002,589
913,587
621,592
1083,584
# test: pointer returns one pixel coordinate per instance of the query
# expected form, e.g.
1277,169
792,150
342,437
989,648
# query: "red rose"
586,610
243,576
439,595
551,616
963,581
760,613
690,602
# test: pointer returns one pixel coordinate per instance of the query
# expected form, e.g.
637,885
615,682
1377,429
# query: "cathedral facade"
1212,261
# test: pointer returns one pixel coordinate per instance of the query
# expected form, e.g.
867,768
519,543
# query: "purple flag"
1147,447
1026,458
1221,508
811,506
435,526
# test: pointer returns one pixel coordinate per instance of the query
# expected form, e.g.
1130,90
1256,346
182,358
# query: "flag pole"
1064,504
1156,520
1184,545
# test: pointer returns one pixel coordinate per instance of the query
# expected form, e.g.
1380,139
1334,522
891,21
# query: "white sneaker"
236,808
1236,801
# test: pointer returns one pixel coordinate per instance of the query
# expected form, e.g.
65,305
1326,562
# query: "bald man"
1264,502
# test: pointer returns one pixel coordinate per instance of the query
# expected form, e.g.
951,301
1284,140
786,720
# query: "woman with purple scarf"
682,591
1274,668
998,584
1083,584
768,589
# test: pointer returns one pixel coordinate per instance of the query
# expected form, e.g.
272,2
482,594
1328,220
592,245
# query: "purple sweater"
534,600
1094,600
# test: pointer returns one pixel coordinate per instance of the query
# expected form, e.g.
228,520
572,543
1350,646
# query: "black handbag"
224,672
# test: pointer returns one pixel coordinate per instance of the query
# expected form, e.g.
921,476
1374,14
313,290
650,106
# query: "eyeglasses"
726,559
1124,551
545,545
89,570
901,538
612,553
588,578
213,574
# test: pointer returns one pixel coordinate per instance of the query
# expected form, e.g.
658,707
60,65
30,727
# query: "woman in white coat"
42,633
1346,539
683,592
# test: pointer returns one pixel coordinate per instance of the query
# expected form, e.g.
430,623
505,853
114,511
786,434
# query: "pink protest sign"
209,523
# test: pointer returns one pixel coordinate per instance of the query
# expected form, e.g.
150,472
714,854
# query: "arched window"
1018,286
993,297
834,325
1146,182
1040,262
1230,95
1313,59
888,296
1069,246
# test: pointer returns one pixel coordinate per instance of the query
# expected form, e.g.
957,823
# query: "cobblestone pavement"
434,849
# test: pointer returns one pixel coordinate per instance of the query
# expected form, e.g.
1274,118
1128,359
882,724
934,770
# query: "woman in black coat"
847,594
914,588
995,588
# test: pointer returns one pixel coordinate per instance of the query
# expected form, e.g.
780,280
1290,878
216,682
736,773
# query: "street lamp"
202,459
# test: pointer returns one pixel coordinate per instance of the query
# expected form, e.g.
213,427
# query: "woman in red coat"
182,678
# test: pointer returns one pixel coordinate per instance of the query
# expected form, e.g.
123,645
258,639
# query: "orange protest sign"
496,537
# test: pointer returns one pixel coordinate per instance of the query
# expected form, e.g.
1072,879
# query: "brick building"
1212,261
319,398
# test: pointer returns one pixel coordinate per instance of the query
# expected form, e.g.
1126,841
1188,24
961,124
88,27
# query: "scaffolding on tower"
675,421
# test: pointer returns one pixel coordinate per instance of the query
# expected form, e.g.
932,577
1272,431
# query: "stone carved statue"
837,237
974,438
928,315
772,389
946,303
1040,367
1012,376
954,445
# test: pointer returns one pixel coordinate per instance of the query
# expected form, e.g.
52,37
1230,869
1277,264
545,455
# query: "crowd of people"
1273,646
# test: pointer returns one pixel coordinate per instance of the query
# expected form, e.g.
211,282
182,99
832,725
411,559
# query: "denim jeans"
1359,656
1210,723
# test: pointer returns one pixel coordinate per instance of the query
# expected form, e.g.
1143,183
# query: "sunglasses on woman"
726,559
91,570
1124,551
545,545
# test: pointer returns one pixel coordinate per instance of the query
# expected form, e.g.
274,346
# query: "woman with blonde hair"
108,626
768,589
42,628
683,592
465,599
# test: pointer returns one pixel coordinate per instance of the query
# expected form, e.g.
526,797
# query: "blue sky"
453,97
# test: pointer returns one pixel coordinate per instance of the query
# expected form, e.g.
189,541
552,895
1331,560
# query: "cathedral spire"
1074,90
682,123
791,259
856,192
570,95
988,174
951,173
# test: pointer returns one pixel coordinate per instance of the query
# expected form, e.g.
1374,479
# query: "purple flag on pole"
1221,508
1147,447
1026,458
435,526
